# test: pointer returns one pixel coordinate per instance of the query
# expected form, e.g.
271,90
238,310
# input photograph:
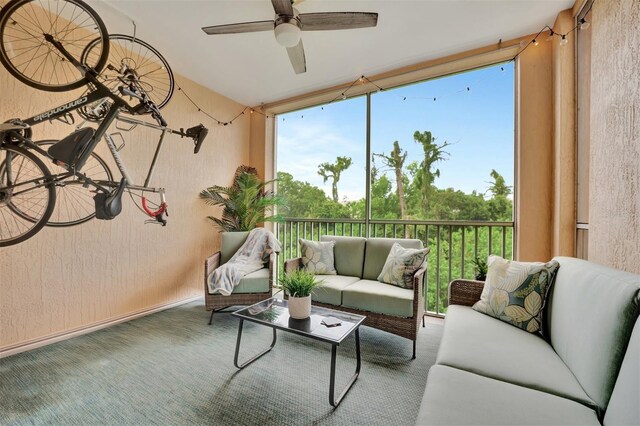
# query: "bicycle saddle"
109,206
68,150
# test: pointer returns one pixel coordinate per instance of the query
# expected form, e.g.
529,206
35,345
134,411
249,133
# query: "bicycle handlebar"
198,133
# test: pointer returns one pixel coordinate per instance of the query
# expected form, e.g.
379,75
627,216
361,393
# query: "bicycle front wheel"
132,58
29,57
74,201
27,195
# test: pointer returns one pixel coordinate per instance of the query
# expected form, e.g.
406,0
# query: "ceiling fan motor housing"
287,30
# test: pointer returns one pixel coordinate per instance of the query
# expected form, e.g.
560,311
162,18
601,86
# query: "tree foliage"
333,171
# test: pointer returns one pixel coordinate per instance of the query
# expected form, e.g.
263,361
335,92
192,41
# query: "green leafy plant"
299,283
246,203
480,268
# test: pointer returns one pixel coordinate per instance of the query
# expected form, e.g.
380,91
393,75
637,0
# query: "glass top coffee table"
274,313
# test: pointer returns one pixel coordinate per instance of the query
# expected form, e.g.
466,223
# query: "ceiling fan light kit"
289,24
288,34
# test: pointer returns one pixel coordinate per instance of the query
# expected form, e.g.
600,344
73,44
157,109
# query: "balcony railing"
454,245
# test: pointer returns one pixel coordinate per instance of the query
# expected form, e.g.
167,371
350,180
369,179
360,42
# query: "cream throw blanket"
250,257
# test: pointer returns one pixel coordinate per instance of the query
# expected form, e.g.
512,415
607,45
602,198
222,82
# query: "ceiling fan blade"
337,20
245,27
282,7
296,56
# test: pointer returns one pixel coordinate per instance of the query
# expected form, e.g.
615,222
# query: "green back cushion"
591,312
348,254
376,252
623,407
231,242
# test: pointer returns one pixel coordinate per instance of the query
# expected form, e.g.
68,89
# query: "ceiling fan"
289,24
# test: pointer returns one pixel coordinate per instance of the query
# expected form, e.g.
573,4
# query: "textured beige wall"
614,184
534,155
564,138
69,278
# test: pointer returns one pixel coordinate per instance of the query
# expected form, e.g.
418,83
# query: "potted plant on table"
299,285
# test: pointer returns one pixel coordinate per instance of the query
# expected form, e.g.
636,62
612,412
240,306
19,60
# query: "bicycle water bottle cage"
68,150
108,206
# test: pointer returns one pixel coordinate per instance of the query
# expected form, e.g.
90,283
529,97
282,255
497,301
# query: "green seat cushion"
592,311
376,253
255,282
374,296
348,254
231,242
331,289
624,408
478,343
457,397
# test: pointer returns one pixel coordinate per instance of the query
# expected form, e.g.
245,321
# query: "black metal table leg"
332,380
235,359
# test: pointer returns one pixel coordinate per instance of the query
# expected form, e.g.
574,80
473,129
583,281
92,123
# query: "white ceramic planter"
299,307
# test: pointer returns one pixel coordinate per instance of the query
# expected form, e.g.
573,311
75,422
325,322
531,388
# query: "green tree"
498,186
500,207
395,161
426,174
303,200
333,171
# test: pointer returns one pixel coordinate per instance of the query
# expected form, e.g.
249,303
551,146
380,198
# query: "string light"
535,42
563,40
219,122
584,24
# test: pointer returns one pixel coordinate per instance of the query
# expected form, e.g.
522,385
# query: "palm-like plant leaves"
245,204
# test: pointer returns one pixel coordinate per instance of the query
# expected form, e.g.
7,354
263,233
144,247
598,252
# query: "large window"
321,160
441,169
443,149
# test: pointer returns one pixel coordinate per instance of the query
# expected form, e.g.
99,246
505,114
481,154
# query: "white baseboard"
68,334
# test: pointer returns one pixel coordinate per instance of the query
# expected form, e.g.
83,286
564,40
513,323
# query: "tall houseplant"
246,203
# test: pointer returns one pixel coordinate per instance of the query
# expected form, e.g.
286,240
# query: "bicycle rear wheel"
74,202
27,195
26,54
133,59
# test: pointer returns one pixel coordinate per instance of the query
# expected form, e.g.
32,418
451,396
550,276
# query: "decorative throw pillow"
317,257
401,264
516,292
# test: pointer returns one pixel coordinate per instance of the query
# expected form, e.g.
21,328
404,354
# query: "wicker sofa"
586,370
355,289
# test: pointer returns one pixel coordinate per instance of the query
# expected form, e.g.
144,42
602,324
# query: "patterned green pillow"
401,264
317,257
516,292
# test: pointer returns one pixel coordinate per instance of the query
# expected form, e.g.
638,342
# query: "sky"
479,124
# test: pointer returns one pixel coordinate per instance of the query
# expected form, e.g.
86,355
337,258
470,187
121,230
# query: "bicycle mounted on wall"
28,189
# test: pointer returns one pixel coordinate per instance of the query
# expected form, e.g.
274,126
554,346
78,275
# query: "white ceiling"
252,68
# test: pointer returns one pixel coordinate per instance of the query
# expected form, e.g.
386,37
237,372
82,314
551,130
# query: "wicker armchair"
404,327
465,292
218,302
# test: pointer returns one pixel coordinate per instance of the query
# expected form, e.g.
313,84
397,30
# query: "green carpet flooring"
172,368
